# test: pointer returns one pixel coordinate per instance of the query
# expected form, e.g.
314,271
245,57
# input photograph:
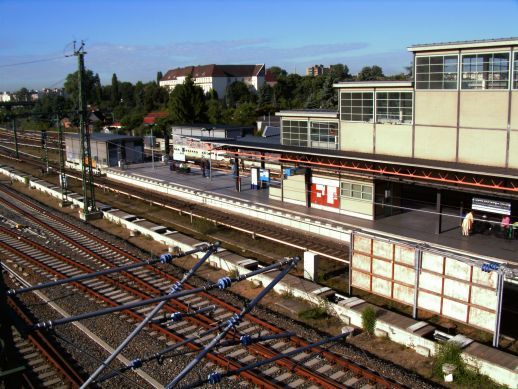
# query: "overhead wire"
32,62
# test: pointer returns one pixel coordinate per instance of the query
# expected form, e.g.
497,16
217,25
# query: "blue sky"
135,39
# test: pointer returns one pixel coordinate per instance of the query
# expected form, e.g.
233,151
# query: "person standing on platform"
203,166
467,223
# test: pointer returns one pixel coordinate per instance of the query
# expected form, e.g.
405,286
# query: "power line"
31,62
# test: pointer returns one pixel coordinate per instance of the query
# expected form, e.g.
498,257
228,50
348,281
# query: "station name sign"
493,206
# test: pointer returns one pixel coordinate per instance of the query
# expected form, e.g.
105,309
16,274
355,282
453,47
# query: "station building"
107,149
448,138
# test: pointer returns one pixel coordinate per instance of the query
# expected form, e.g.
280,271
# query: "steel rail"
216,358
265,352
47,348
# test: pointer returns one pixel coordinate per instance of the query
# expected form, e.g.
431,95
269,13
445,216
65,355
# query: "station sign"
492,206
264,175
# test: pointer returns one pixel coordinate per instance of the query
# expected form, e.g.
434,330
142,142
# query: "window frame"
373,107
364,195
416,81
298,137
509,70
335,144
411,92
514,70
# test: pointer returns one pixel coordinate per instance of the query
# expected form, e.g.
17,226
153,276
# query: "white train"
194,151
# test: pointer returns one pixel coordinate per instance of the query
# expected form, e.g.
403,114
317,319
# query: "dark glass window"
515,78
356,106
294,133
394,107
324,135
437,72
485,71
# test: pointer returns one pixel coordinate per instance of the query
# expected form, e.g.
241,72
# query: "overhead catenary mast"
90,210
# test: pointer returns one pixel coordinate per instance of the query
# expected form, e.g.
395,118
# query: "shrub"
369,320
314,313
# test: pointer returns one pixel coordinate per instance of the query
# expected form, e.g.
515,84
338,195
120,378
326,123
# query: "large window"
394,107
324,135
515,67
356,106
436,72
356,190
295,133
485,71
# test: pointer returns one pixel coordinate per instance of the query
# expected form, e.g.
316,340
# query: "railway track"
76,250
327,248
45,363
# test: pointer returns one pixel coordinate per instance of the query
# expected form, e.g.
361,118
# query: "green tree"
115,97
158,77
277,72
212,94
187,103
23,95
237,93
369,73
72,87
265,95
245,114
214,111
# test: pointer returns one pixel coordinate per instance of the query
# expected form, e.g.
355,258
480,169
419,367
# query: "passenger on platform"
504,224
467,223
203,165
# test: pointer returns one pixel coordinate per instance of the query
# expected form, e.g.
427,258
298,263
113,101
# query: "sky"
137,38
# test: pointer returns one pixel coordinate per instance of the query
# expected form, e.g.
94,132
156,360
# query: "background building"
317,70
216,77
107,149
448,137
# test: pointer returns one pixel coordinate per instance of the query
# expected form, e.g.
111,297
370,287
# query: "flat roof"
374,84
101,136
406,161
465,44
315,113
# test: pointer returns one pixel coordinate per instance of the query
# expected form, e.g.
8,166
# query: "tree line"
127,103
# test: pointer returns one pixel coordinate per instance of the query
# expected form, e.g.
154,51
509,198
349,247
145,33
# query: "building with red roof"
216,77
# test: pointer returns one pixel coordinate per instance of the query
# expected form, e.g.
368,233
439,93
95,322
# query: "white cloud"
141,62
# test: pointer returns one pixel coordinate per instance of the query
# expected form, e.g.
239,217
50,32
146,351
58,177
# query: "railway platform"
416,224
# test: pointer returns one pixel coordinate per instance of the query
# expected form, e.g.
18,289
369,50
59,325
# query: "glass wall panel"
324,135
355,190
394,107
515,83
437,72
485,71
356,106
294,133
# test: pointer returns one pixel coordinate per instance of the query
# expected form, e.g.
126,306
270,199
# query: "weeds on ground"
315,313
463,375
369,320
203,226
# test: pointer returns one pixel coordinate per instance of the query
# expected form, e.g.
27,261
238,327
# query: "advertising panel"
492,206
458,289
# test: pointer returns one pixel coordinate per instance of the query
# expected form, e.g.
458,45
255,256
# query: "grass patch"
463,376
203,226
315,313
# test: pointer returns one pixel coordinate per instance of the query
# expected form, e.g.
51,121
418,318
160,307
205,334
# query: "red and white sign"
325,192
